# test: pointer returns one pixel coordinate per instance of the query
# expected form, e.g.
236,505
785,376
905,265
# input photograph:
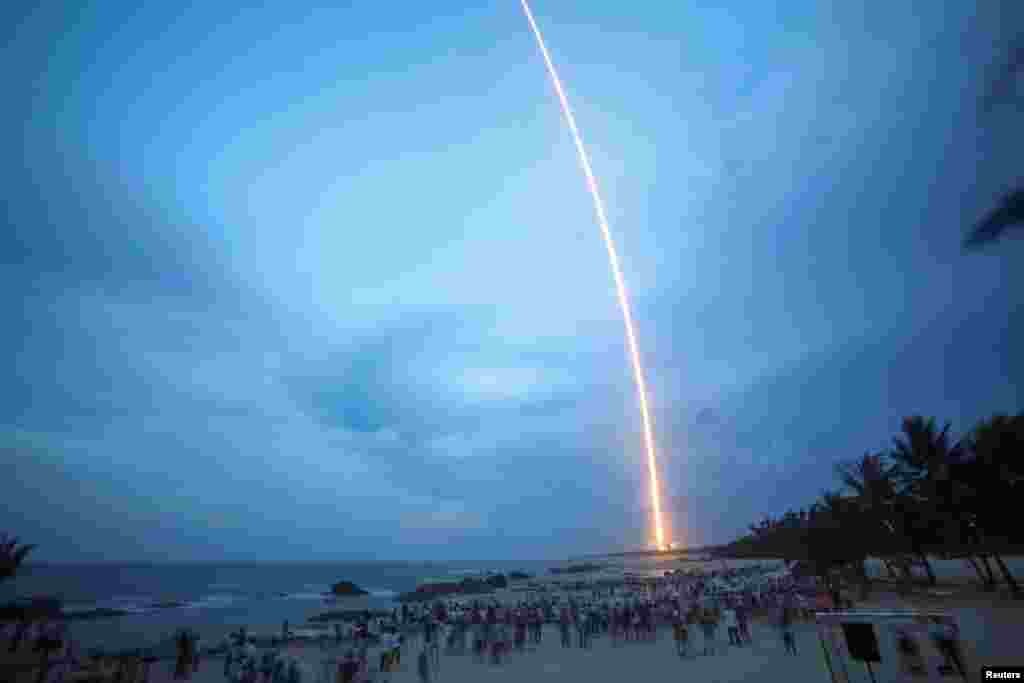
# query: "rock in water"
347,588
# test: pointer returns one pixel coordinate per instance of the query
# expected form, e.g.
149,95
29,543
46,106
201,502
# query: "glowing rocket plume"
620,283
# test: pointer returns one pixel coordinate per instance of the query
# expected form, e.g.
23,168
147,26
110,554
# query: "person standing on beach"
348,669
390,642
435,651
428,632
181,663
520,631
732,625
497,643
707,627
742,618
364,661
228,657
479,642
786,624
944,635
197,650
423,666
563,623
684,637
579,619
677,632
491,625
385,664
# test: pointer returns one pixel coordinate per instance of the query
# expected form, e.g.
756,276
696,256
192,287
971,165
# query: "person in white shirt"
435,649
732,624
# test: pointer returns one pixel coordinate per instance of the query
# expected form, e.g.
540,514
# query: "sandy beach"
656,661
991,626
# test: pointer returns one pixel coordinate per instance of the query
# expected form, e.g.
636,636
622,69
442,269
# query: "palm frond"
1007,215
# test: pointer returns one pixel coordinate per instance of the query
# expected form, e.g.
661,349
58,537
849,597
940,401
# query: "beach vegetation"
12,555
928,495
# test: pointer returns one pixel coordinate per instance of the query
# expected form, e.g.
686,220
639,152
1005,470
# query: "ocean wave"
305,596
382,593
135,604
79,608
116,605
464,572
131,600
217,600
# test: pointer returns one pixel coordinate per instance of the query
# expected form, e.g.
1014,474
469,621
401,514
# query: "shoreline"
141,630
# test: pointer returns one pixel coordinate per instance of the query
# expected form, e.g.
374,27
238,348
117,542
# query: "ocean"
217,598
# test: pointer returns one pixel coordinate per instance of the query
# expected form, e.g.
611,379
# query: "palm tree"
924,456
995,472
873,481
1010,212
840,535
12,554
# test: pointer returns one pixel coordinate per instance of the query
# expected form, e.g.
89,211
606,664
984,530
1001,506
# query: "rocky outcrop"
349,615
347,588
577,568
466,586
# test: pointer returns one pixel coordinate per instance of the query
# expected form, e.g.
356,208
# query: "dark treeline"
928,495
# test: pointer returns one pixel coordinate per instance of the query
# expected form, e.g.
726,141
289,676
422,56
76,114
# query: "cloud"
251,337
707,417
440,515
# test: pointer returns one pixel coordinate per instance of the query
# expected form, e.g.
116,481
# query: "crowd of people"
715,609
490,631
245,663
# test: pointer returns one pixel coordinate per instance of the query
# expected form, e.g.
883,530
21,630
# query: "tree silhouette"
923,456
1009,214
12,554
928,495
994,473
999,221
874,482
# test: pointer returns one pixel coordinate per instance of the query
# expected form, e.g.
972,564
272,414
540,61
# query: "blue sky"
315,282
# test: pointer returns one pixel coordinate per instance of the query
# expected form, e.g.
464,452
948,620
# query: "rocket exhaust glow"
620,283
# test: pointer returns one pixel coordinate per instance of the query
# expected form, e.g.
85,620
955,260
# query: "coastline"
213,619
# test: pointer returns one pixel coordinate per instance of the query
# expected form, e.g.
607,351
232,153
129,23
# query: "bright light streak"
620,283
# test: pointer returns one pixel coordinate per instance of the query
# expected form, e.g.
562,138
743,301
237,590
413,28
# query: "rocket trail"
620,283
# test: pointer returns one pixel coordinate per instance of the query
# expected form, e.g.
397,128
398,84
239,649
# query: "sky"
324,282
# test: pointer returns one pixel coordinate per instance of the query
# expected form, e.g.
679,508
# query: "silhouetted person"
564,625
181,662
944,637
194,652
19,635
786,624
